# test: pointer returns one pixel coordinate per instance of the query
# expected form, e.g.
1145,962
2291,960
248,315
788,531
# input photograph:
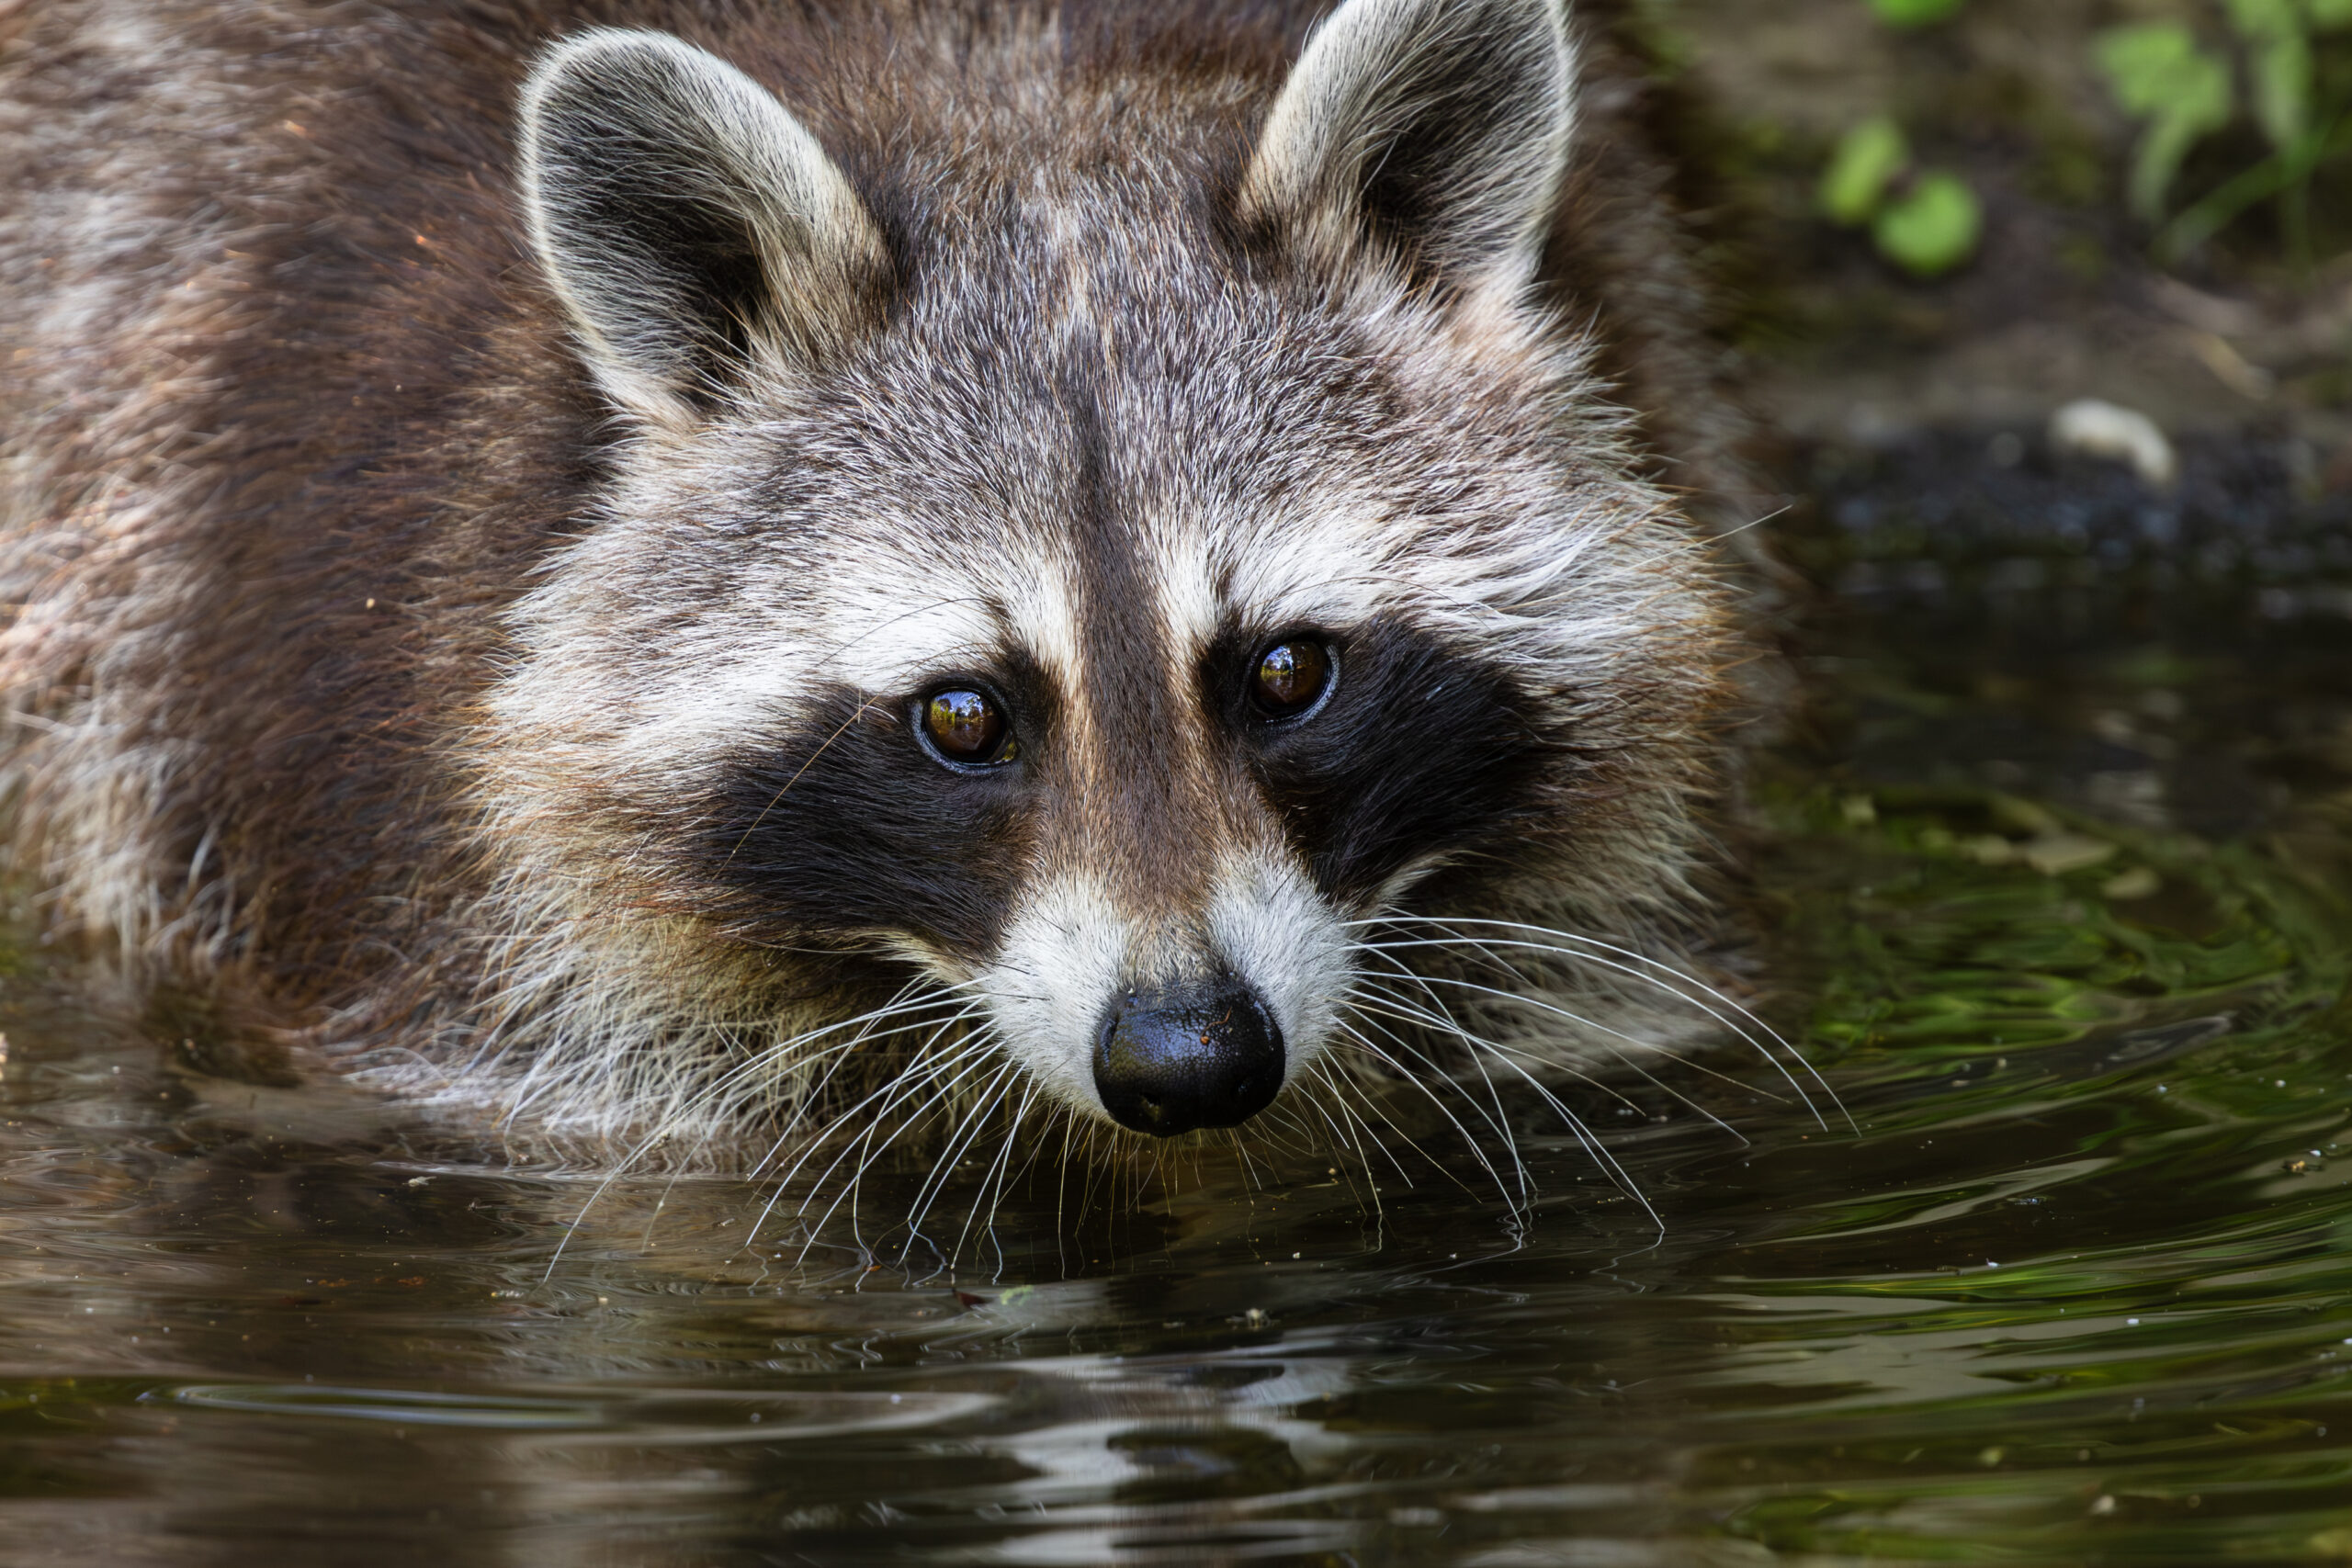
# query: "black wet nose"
1166,1062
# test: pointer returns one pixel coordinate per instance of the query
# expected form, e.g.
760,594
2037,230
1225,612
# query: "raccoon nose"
1166,1062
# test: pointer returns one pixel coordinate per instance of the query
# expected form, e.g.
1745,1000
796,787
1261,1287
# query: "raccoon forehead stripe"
1146,800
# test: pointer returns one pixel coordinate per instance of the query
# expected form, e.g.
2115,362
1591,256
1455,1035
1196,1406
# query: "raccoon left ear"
694,229
1433,131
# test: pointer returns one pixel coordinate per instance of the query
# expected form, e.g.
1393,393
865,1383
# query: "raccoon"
683,578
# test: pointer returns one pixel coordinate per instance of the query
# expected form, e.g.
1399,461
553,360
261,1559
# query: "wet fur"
335,689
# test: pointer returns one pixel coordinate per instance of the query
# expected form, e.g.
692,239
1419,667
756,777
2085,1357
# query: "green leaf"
2265,18
1868,157
2158,74
1913,12
2327,15
2281,70
2143,63
1932,227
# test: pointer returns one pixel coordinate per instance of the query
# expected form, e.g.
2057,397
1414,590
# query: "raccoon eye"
968,727
1291,676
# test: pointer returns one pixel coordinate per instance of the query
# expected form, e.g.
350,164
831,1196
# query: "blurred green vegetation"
2017,150
1924,221
2298,91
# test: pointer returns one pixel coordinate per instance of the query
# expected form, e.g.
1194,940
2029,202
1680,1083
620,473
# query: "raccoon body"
704,572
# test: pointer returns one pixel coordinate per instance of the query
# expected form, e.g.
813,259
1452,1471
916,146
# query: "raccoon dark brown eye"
968,727
1291,676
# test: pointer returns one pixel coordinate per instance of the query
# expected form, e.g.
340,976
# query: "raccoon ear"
693,228
1432,130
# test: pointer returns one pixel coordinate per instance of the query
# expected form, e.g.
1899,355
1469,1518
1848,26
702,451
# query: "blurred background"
1963,214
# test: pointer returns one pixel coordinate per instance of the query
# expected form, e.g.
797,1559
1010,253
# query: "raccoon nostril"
1198,1057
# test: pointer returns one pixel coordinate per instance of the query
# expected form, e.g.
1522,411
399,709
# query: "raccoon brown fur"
689,571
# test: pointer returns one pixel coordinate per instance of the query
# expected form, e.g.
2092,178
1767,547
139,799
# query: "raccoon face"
1109,584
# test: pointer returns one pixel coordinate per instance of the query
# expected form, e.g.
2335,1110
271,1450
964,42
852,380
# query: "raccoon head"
1094,567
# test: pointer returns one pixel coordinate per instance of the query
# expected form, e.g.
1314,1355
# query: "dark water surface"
2053,896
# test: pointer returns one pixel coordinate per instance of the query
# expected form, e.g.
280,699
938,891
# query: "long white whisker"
1501,1120
1403,1072
1004,1155
747,1067
1478,946
1618,1175
921,1061
974,1057
1448,1021
935,1180
1666,978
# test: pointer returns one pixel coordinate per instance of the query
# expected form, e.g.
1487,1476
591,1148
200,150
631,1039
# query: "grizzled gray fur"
680,577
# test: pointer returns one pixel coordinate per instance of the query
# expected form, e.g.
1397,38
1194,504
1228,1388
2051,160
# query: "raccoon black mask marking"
994,555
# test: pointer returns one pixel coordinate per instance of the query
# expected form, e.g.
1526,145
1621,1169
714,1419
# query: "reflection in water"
2053,895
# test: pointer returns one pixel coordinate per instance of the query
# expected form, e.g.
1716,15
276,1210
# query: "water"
2051,895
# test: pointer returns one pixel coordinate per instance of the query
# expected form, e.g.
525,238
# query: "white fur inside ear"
1436,128
695,230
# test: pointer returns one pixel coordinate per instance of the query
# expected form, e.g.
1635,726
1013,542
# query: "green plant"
1913,12
1927,222
2161,74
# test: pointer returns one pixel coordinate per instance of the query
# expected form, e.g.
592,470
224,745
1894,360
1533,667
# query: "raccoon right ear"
695,230
1432,132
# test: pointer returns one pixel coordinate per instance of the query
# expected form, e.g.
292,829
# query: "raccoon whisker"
879,628
669,1124
1159,1154
1358,1132
1407,1012
1482,947
1310,1142
1500,1120
1539,1004
1345,1135
683,1103
1643,562
918,1014
1651,971
1476,1152
975,1055
1352,1082
1279,1123
1037,1144
1619,1176
619,1170
1609,1163
752,1064
1313,1090
968,1132
1418,1082
1599,1028
896,1087
800,1112
970,1120
1233,1141
915,1075
1321,1137
988,1183
1663,976
808,1094
1444,1022
839,1052
1061,1187
814,1096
